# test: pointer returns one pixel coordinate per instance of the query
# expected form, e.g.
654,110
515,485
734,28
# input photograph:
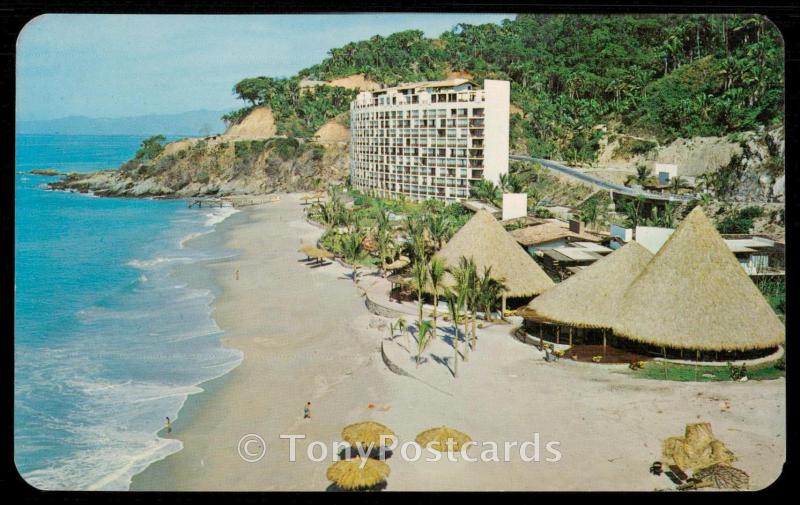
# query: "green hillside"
660,76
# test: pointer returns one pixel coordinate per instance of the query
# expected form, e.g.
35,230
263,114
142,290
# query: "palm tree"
464,275
705,182
632,208
454,303
353,251
402,327
436,271
473,299
489,290
438,228
416,236
485,190
643,173
383,238
510,183
424,335
677,183
420,273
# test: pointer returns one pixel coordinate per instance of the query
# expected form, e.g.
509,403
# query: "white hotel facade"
430,139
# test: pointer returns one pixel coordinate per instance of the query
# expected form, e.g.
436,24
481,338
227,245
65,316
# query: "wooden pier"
231,201
208,202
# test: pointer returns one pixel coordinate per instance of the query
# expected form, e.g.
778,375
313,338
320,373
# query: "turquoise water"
109,339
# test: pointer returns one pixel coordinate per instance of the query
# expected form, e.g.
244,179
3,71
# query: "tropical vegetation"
664,76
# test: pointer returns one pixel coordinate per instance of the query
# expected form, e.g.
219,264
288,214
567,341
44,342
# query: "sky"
131,65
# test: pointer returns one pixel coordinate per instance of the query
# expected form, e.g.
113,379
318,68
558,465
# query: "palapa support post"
570,336
696,361
503,304
541,338
558,335
604,341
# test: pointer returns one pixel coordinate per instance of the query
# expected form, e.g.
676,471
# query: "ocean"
111,334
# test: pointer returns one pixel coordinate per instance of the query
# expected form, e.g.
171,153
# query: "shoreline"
200,412
306,335
217,234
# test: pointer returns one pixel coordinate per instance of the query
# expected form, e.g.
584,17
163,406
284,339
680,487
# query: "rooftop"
551,229
447,83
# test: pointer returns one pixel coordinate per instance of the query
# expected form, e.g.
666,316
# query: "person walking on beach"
237,274
169,426
307,411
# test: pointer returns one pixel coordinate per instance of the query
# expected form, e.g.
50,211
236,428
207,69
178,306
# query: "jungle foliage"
664,76
298,112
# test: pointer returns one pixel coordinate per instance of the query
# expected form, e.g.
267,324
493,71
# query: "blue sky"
130,65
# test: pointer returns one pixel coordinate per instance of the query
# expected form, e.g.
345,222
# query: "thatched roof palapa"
485,240
367,433
358,473
397,264
590,298
443,439
315,252
694,294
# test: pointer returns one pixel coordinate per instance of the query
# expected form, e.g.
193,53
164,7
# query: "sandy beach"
306,335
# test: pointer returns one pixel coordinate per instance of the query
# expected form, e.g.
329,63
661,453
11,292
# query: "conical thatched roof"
590,298
437,439
485,240
695,295
357,473
367,433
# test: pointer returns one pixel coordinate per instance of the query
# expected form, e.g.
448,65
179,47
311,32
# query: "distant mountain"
193,123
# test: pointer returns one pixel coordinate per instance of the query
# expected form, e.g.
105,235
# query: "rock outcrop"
247,159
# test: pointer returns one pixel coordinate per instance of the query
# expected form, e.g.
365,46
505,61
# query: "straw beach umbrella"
485,240
320,254
436,438
358,473
366,433
590,298
695,295
306,249
397,264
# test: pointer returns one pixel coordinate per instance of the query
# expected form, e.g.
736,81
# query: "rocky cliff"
752,162
247,159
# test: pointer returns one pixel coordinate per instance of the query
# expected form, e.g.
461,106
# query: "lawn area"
677,372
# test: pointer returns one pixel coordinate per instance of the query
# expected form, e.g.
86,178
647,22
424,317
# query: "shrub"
542,213
236,116
151,147
740,221
287,148
629,147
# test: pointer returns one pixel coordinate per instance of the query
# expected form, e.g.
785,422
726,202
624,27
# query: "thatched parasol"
366,433
589,298
306,249
696,449
437,438
397,264
358,473
694,294
485,240
319,253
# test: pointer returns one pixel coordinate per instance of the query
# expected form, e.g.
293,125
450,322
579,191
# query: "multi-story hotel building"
429,139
